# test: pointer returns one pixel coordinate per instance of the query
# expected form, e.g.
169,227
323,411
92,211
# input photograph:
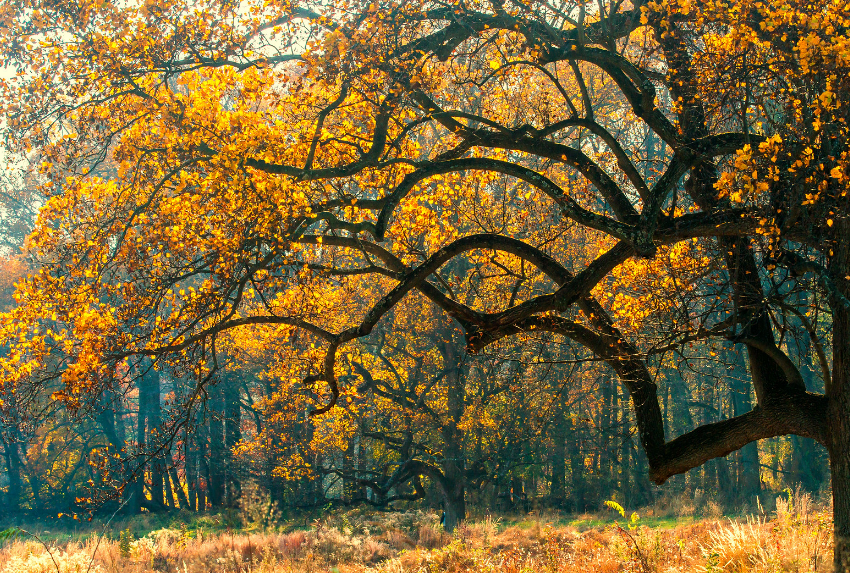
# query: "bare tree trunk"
191,471
348,481
201,460
577,471
153,411
359,463
838,409
454,469
215,475
178,489
138,485
840,464
232,436
454,499
13,468
557,490
626,451
169,492
605,452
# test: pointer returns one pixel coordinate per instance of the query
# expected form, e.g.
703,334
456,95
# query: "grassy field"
795,537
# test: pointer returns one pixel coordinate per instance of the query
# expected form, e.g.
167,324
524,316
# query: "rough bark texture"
838,411
454,472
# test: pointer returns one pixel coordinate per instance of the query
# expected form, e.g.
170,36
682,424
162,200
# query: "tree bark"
626,486
577,475
191,471
13,467
154,409
606,453
216,444
232,436
454,470
839,450
838,410
138,485
169,491
557,490
349,483
178,488
453,492
202,461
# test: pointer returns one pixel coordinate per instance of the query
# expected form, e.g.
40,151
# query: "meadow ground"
796,537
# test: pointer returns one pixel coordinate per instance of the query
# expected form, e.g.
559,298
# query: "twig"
103,531
37,538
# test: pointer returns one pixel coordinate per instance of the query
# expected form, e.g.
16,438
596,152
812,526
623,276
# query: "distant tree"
272,160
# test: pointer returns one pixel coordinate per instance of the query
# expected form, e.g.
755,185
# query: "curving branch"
568,206
803,414
813,336
519,140
792,374
320,122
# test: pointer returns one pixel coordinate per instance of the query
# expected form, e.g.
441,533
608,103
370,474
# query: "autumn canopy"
223,178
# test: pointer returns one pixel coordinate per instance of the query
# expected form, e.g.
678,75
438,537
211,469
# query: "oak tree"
216,165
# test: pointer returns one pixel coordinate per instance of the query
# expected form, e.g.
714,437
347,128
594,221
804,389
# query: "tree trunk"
203,468
454,499
840,468
577,467
454,470
557,490
348,482
153,412
232,436
838,408
191,471
359,453
317,484
169,492
178,488
606,453
216,434
138,485
838,412
13,464
626,451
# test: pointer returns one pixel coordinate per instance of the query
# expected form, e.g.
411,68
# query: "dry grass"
797,538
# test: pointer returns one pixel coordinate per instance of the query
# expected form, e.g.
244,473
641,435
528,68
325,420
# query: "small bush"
257,506
44,562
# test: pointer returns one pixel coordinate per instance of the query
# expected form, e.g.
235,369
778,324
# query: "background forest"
536,425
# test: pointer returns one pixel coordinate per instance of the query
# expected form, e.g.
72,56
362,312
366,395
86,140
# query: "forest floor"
795,537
